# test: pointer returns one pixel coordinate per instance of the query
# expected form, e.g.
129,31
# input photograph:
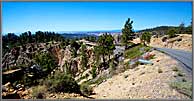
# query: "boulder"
11,96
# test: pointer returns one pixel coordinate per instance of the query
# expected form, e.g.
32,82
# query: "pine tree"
145,37
106,46
127,32
171,33
181,28
84,58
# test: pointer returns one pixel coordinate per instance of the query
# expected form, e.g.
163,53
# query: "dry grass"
175,69
160,70
38,92
183,87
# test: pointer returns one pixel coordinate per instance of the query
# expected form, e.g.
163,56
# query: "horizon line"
4,33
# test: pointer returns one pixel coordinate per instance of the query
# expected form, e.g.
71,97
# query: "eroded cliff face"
23,56
66,61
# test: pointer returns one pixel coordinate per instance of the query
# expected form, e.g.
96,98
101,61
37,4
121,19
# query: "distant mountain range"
86,33
76,35
98,31
79,34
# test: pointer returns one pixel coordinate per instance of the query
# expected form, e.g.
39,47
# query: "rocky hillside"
21,60
145,81
53,70
184,42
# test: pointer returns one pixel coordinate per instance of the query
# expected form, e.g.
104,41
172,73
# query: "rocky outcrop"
23,56
19,92
182,42
65,56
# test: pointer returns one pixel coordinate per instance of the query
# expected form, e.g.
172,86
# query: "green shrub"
184,80
125,76
145,37
94,71
137,63
46,61
175,69
162,51
81,78
112,66
39,92
133,52
84,57
147,48
62,82
86,89
171,33
180,74
99,80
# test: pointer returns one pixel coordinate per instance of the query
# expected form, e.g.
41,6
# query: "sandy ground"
185,44
142,82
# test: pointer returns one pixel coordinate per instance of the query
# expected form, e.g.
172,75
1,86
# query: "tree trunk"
109,57
144,43
103,58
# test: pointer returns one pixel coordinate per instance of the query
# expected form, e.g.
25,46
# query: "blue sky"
88,16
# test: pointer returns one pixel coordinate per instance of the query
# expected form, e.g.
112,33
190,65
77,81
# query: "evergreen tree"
181,29
145,37
171,33
84,58
106,46
46,61
127,32
189,29
30,36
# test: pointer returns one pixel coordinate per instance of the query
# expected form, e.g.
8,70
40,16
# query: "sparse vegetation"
175,69
125,76
181,28
183,87
11,40
86,89
105,47
61,82
171,33
81,78
94,71
39,92
133,52
160,70
98,81
147,48
46,61
84,58
145,38
90,38
184,80
74,47
180,74
48,51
